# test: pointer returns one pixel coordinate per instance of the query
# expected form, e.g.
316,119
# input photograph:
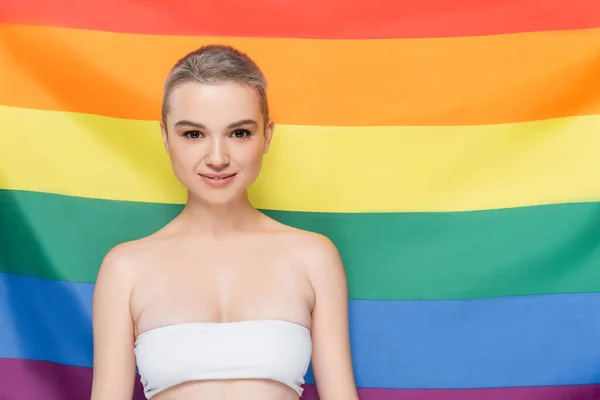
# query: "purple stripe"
26,380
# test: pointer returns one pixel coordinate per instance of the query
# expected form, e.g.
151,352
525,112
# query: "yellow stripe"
327,169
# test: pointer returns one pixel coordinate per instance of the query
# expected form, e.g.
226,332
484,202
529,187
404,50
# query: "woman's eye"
192,134
240,133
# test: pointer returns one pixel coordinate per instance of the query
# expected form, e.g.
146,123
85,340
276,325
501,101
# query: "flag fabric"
449,149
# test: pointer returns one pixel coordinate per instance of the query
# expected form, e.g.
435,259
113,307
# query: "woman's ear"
269,129
165,137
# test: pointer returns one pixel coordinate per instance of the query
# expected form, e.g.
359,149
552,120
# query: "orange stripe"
473,80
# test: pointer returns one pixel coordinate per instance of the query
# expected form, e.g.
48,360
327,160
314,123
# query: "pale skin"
220,260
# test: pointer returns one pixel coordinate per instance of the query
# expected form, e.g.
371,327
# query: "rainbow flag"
450,149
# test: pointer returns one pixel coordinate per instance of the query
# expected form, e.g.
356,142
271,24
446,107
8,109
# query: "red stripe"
26,380
332,19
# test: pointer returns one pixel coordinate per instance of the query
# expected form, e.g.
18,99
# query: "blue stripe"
496,342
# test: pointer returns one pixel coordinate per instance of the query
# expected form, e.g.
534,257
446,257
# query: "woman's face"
216,139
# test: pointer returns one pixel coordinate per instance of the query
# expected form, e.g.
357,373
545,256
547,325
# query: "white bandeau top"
194,351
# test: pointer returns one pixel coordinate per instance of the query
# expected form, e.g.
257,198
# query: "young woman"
223,303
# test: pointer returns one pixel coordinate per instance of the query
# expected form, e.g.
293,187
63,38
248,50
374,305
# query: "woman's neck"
219,220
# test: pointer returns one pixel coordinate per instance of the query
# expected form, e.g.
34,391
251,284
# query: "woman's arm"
114,358
331,361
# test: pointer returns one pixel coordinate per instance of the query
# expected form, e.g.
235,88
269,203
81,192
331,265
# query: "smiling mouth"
217,180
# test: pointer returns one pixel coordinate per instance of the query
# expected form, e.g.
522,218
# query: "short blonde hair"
215,64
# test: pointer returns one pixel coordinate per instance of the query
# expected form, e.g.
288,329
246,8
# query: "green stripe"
461,255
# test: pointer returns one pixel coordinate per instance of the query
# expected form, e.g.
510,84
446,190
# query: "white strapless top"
193,351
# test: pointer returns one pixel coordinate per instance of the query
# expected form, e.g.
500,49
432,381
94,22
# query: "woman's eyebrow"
242,122
185,122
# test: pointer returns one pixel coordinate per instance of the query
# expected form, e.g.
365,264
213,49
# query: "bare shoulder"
324,266
319,251
318,255
121,263
115,283
121,259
